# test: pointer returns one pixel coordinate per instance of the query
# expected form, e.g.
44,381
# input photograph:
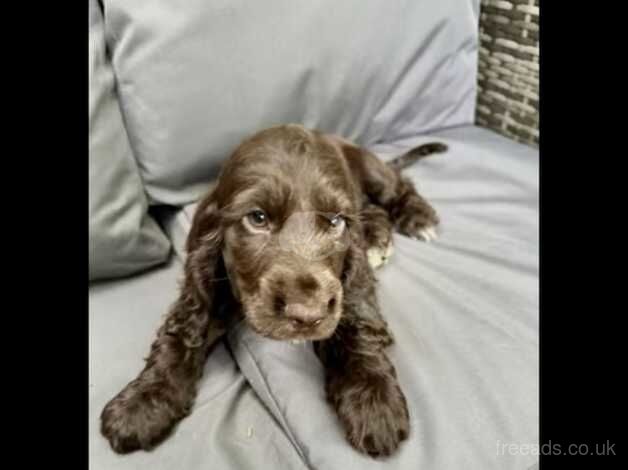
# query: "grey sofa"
174,87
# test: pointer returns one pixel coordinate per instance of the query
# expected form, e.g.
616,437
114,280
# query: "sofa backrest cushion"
123,238
196,76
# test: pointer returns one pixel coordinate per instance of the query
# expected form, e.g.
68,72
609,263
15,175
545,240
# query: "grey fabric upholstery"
123,239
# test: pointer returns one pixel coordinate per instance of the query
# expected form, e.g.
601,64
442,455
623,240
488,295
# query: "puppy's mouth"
283,329
323,330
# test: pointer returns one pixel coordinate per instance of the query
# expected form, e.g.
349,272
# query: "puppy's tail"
416,154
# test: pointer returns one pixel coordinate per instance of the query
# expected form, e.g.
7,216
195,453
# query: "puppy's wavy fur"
289,224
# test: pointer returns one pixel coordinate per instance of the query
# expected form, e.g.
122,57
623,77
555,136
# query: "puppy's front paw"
421,225
141,416
374,414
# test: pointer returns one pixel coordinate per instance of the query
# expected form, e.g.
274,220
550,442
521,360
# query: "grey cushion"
464,311
122,237
195,77
229,428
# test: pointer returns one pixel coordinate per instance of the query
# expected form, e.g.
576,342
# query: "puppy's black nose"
304,315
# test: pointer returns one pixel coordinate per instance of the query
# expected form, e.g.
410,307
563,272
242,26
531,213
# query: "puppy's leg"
377,234
409,212
361,382
147,409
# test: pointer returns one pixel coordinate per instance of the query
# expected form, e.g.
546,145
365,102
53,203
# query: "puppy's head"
283,219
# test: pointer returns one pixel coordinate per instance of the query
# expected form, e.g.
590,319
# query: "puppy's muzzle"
305,298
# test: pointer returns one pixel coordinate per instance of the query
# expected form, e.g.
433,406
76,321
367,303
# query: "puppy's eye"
257,218
337,222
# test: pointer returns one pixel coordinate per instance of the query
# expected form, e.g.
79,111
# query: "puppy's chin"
281,329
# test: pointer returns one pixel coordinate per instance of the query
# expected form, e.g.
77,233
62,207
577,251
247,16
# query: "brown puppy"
290,223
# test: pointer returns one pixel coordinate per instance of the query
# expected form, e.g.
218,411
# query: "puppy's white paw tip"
377,257
428,234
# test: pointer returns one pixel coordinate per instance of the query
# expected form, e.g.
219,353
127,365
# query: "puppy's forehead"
291,145
290,165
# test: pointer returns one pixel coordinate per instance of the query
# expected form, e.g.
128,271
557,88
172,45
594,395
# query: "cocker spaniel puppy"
293,222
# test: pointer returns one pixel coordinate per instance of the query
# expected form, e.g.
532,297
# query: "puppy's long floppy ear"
205,223
189,317
204,244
